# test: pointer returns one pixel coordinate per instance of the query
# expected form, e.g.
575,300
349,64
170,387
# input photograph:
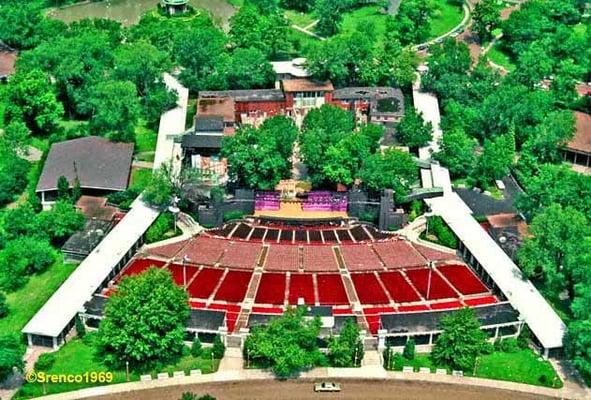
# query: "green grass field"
363,16
299,18
499,57
145,138
445,18
78,357
140,177
25,302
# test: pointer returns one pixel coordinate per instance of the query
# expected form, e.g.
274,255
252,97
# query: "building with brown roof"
7,62
578,150
100,166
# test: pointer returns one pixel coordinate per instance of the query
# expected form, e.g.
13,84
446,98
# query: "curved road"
351,390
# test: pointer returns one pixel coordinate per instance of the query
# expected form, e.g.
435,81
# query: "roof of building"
85,240
582,139
306,85
218,106
295,67
209,123
7,62
430,321
206,320
94,207
95,161
71,296
367,93
96,305
485,204
202,141
245,95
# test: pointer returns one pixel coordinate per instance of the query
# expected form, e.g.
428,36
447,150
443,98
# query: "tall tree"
249,69
414,21
144,321
486,17
11,355
457,152
461,341
392,169
412,130
497,157
346,350
329,16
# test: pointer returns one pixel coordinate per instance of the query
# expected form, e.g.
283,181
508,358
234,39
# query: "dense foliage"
11,355
144,321
346,350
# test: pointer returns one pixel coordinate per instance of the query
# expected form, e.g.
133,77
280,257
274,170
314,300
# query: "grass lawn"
236,3
26,301
78,357
446,18
499,57
145,139
299,18
363,16
140,177
523,366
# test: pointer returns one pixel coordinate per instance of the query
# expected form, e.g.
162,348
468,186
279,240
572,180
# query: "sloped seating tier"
360,257
205,283
319,259
242,231
315,236
434,255
178,273
331,290
234,286
368,289
359,234
447,305
481,301
168,250
286,236
283,258
224,231
463,279
399,254
204,250
139,265
241,255
437,288
258,234
267,201
301,286
400,290
271,289
330,236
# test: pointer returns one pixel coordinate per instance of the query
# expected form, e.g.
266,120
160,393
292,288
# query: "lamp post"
174,210
185,260
431,266
127,370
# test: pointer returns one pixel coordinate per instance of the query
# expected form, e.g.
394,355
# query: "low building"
578,150
379,105
286,70
7,62
174,7
100,166
302,95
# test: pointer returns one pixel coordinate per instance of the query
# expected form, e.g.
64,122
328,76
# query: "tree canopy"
144,321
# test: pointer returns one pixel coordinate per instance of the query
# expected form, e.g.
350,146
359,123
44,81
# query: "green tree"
144,321
196,348
485,18
266,32
344,160
578,345
413,21
63,188
329,16
115,110
11,355
22,257
16,136
3,306
409,349
533,65
218,348
13,174
32,98
457,152
497,156
299,5
20,221
80,328
412,130
61,221
392,169
461,341
249,69
287,344
346,350
160,189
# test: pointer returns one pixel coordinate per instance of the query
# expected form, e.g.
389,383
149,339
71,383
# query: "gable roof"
95,161
209,123
306,85
582,139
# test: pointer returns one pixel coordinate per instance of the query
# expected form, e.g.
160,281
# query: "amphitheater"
245,273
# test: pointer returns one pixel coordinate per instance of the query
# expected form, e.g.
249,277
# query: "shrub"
409,349
80,328
398,361
218,349
368,216
509,345
416,209
45,362
196,348
3,305
446,237
160,227
524,337
233,214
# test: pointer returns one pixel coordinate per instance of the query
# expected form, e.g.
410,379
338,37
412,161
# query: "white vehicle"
327,387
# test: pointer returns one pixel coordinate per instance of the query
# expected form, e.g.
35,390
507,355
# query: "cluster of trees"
336,153
261,157
289,344
360,58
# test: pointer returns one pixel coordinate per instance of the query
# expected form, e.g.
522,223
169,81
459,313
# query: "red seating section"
434,255
271,289
438,289
399,254
360,257
320,259
301,285
447,305
205,283
481,301
241,255
283,258
331,289
168,250
400,290
177,273
234,286
368,289
139,265
463,279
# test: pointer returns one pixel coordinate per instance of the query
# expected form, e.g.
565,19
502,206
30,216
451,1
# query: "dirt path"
303,390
